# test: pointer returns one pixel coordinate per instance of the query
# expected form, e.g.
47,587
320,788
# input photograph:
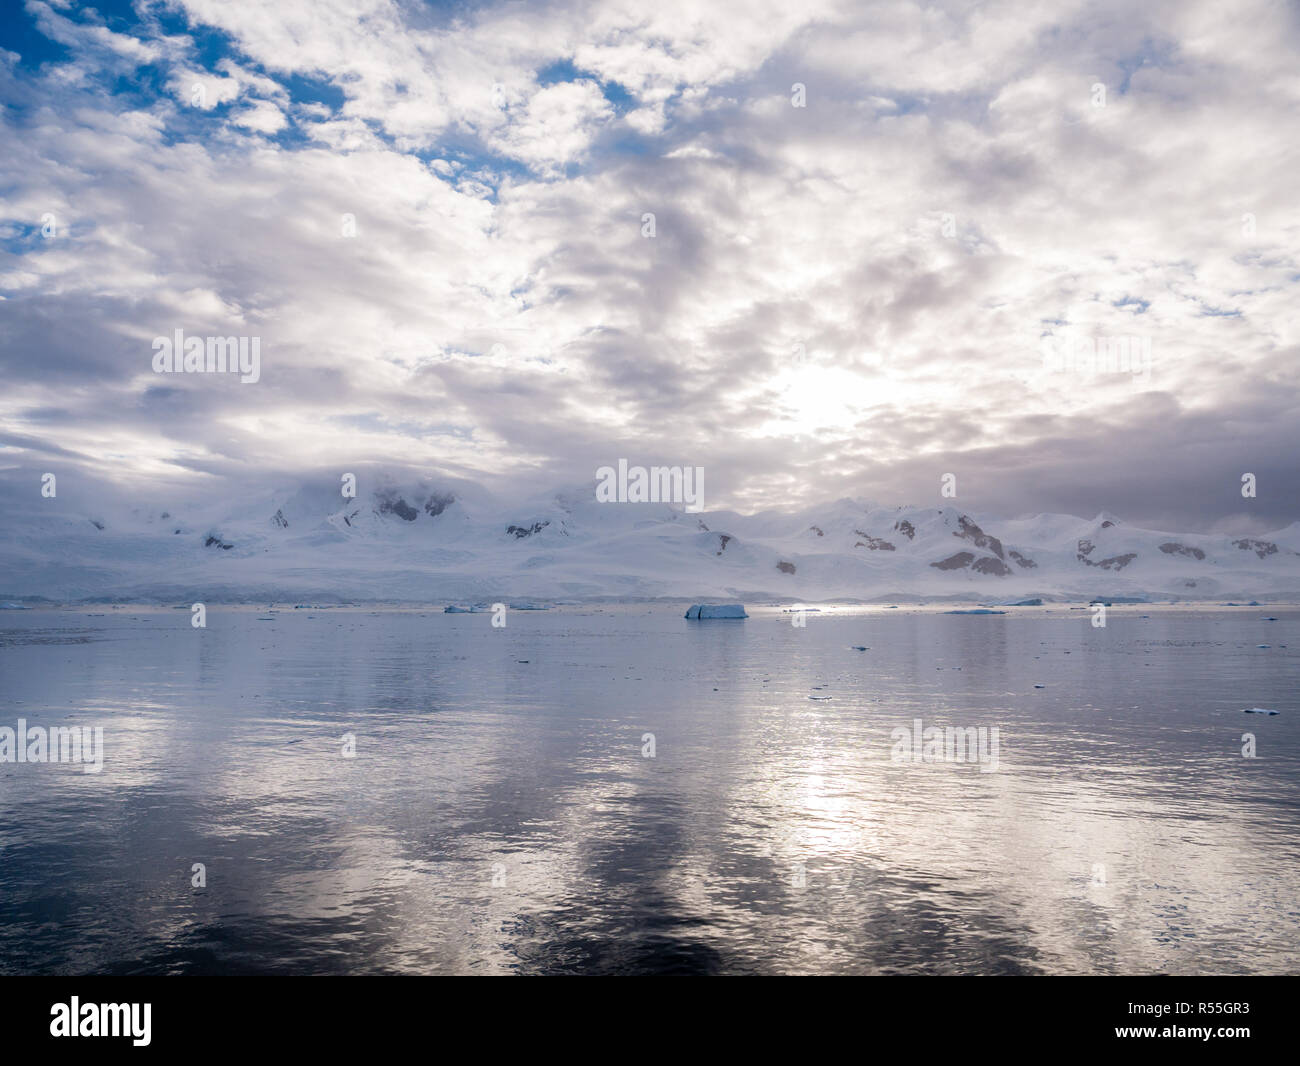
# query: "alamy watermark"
179,354
1091,355
75,1018
657,484
954,744
70,744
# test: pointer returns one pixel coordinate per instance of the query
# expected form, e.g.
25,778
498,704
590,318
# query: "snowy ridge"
404,539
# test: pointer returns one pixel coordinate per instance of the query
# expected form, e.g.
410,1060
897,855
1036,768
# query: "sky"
821,250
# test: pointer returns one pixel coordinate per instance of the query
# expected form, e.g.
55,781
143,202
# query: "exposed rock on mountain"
1260,547
437,503
876,544
1115,562
519,532
970,531
1173,548
399,507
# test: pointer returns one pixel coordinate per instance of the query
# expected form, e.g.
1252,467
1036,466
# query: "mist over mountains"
410,539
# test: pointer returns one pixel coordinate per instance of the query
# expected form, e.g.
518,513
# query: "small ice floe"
11,606
1263,645
1257,710
1040,686
976,610
528,607
716,610
860,647
453,609
1268,618
821,697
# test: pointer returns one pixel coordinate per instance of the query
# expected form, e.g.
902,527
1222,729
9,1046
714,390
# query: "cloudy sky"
870,221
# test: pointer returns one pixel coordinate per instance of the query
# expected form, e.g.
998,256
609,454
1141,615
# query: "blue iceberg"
716,610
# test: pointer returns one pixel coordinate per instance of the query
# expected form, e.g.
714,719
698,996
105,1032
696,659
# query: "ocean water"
500,813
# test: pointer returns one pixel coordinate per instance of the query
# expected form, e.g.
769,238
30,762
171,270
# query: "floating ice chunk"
453,609
976,610
1257,710
716,610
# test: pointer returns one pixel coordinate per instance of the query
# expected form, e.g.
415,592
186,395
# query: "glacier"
411,539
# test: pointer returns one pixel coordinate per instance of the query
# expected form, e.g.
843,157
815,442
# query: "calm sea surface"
500,814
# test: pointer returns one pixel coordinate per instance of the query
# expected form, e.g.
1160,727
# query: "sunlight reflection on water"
499,815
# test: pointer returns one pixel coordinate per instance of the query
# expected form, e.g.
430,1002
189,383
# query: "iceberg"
1257,710
716,610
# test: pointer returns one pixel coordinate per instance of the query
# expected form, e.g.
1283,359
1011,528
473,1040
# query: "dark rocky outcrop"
968,530
1023,560
1115,562
989,565
1259,547
906,528
785,568
955,562
279,519
398,506
214,541
723,540
437,503
1174,548
874,543
526,531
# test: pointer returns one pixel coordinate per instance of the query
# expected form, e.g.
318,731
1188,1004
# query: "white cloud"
512,216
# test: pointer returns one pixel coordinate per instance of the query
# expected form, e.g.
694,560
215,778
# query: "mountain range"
405,539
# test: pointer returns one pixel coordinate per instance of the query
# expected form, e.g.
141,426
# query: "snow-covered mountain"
403,539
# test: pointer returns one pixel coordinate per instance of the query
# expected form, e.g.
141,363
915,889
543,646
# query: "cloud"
435,224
